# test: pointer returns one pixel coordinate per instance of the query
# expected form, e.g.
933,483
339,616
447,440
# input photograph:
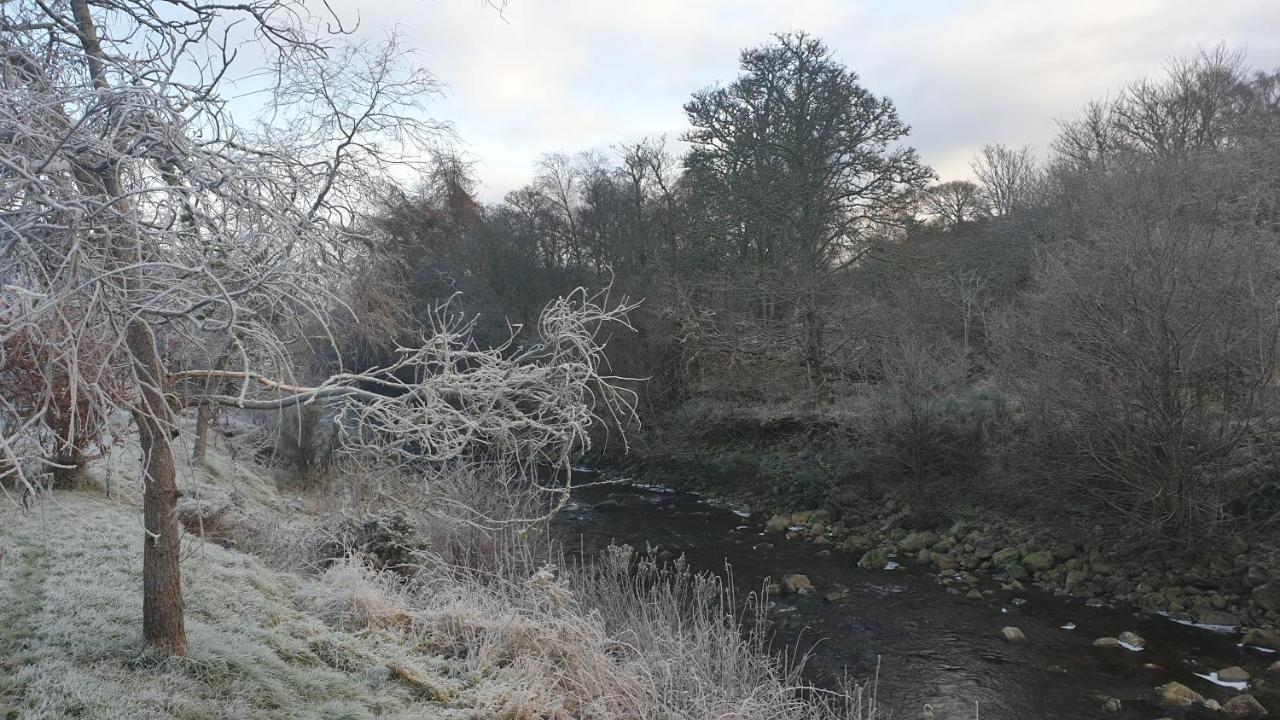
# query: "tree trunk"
163,626
70,468
202,431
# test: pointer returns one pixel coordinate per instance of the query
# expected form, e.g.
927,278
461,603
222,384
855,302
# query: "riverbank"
802,471
291,615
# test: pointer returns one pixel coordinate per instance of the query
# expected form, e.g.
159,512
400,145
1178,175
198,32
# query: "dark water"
932,647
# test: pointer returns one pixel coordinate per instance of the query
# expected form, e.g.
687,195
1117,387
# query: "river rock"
984,548
1234,674
1107,642
778,523
1038,561
1267,595
874,559
1015,571
1244,706
1064,551
1218,617
974,594
855,544
1176,694
1274,670
1256,575
917,541
796,584
1261,638
607,506
1112,705
1013,635
1132,639
1003,557
835,597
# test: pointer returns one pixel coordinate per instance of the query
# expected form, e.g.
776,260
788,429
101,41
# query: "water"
932,647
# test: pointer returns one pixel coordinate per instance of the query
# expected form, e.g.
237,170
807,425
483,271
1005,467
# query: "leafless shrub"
1145,353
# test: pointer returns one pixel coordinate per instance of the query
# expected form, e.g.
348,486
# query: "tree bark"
163,626
202,431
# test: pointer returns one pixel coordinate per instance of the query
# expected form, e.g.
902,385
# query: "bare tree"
953,203
1006,177
1199,105
1146,346
799,168
139,221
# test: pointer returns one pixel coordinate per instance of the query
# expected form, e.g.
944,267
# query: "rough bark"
163,626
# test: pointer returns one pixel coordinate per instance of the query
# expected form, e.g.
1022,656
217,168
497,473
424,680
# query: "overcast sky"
570,75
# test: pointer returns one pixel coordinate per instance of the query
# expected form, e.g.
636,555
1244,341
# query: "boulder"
984,548
874,559
1244,706
1234,674
1003,557
1015,571
1064,551
796,584
1261,638
1256,575
778,523
1218,617
1267,595
1038,561
1175,694
1013,635
1132,639
917,541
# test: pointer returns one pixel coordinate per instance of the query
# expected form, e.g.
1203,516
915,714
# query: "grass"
274,636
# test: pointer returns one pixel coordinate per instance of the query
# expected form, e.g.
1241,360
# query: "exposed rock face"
1013,635
1175,694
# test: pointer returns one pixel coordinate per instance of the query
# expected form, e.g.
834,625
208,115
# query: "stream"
931,647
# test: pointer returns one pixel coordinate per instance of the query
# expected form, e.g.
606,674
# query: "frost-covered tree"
157,255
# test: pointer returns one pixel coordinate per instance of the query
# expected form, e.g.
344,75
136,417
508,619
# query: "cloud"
566,75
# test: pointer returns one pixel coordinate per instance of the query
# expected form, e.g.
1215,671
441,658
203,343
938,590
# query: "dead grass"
278,637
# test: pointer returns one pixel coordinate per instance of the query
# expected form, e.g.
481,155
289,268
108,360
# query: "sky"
548,76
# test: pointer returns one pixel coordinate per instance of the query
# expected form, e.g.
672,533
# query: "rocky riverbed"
1234,586
973,615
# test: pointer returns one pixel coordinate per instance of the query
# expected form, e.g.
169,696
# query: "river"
931,647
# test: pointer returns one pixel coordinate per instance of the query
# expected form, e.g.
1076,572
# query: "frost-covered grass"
70,645
277,636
